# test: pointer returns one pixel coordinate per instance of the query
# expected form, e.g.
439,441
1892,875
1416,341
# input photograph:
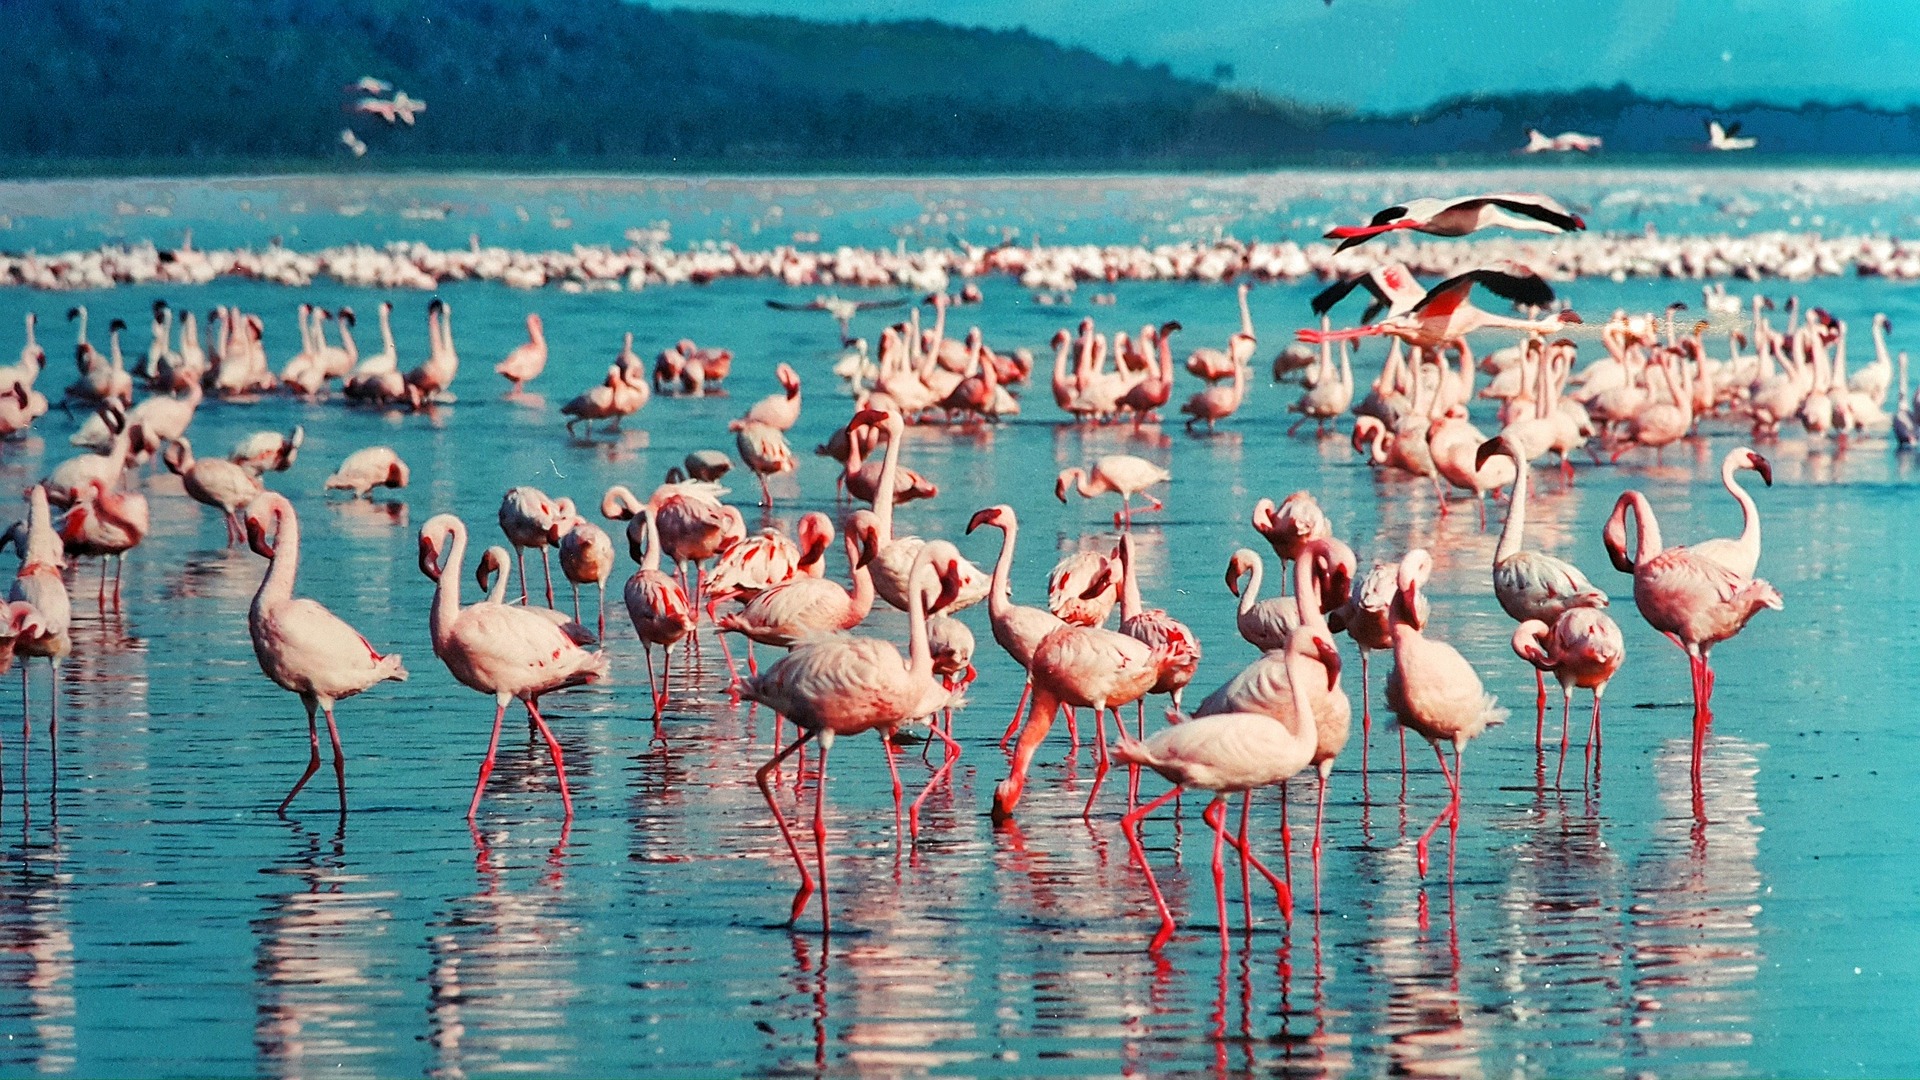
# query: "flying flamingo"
364,470
301,645
1532,585
1121,474
214,482
586,558
498,649
1393,288
38,582
1017,628
1445,316
1694,599
525,361
1582,648
837,686
1433,690
532,520
1228,753
660,612
1525,212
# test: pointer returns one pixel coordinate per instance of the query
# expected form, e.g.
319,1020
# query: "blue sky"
1391,54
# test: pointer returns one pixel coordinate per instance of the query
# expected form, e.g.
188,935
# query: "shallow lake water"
159,917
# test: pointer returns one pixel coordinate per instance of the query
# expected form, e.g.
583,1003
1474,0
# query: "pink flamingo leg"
546,568
666,686
520,556
313,761
1130,825
780,818
1366,721
1101,763
1281,892
1450,814
575,586
1566,724
600,610
1215,814
339,758
820,836
1286,838
486,767
1320,822
1039,721
945,770
886,741
1539,709
1013,725
1246,873
653,687
1593,735
553,748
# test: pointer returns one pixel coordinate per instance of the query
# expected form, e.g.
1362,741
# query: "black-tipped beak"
983,517
1763,467
1487,450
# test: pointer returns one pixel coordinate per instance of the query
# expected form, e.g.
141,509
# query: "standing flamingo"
214,482
527,360
1083,589
1531,585
660,612
1694,599
301,645
764,449
896,553
38,582
532,520
806,606
1017,628
1433,690
586,558
1582,648
372,467
498,649
1121,474
108,523
1742,553
847,685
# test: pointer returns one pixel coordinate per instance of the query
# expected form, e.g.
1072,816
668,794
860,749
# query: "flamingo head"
815,535
1263,512
1614,535
116,326
429,553
789,379
1320,640
1415,568
1100,583
1760,465
1527,644
397,474
1060,483
950,581
864,529
257,535
1239,566
1336,566
1060,338
867,418
492,561
997,516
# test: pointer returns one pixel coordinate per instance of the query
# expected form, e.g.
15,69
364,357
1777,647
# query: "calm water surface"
158,917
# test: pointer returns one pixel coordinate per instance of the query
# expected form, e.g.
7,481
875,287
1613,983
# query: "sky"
1402,54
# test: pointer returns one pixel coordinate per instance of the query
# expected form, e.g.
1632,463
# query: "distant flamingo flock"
1288,715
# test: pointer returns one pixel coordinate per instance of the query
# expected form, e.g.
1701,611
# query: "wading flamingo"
1582,648
1121,474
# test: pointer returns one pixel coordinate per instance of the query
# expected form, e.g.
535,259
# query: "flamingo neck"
1513,533
446,597
1129,582
1246,315
497,593
889,470
1249,595
277,586
652,563
1000,592
1749,541
386,330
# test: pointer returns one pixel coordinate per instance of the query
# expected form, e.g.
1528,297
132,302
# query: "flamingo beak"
1102,581
1572,317
429,555
867,418
1487,449
257,538
949,587
1330,657
869,550
1234,571
1060,489
1762,466
982,517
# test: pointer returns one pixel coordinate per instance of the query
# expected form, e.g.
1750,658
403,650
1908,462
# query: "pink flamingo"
364,470
532,520
847,685
807,606
301,645
1433,690
1217,402
693,524
213,482
1696,600
107,523
1017,628
586,558
526,361
1265,624
896,553
1119,474
498,649
1445,316
779,411
1365,618
1742,553
746,568
1082,589
1462,215
660,612
1582,648
1175,648
1227,753
494,572
764,449
38,582
862,475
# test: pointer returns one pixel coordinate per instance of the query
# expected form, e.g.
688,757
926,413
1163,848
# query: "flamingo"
508,652
764,449
1365,618
1082,590
779,411
1532,585
806,606
1445,316
213,482
38,582
1582,648
1017,628
746,568
1696,600
862,474
1291,526
107,523
1174,646
1228,753
708,465
659,609
532,520
364,470
67,480
896,553
526,361
1433,690
1392,286
268,451
493,573
1214,365
1217,402
586,558
1265,624
1741,554
434,375
693,525
1523,212
301,646
1121,474
847,685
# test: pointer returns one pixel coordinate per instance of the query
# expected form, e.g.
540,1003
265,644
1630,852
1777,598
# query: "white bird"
1728,137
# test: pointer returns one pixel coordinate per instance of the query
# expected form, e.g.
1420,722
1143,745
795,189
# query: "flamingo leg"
1366,720
820,835
893,768
520,556
1566,723
1449,812
1246,871
1215,815
339,757
1539,709
1040,716
733,670
666,686
1699,715
546,569
313,761
493,744
1130,825
780,818
945,770
601,611
559,760
575,586
1593,738
1286,838
1281,892
653,690
1101,764
1320,819
1013,725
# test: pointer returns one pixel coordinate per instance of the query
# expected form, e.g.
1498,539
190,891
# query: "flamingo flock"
834,672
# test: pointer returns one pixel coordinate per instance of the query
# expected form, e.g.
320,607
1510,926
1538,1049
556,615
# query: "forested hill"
196,85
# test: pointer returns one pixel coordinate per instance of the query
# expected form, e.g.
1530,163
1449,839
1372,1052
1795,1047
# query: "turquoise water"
159,918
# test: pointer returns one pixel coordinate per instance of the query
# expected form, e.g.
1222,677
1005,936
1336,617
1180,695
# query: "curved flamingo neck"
1513,533
861,598
1749,541
1248,595
497,593
1649,527
652,563
285,567
1080,485
446,597
1000,591
1129,581
889,471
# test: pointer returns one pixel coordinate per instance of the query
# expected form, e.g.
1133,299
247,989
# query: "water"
160,918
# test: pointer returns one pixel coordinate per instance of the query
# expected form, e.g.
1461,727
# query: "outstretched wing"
1529,290
782,305
874,305
1325,300
1541,208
